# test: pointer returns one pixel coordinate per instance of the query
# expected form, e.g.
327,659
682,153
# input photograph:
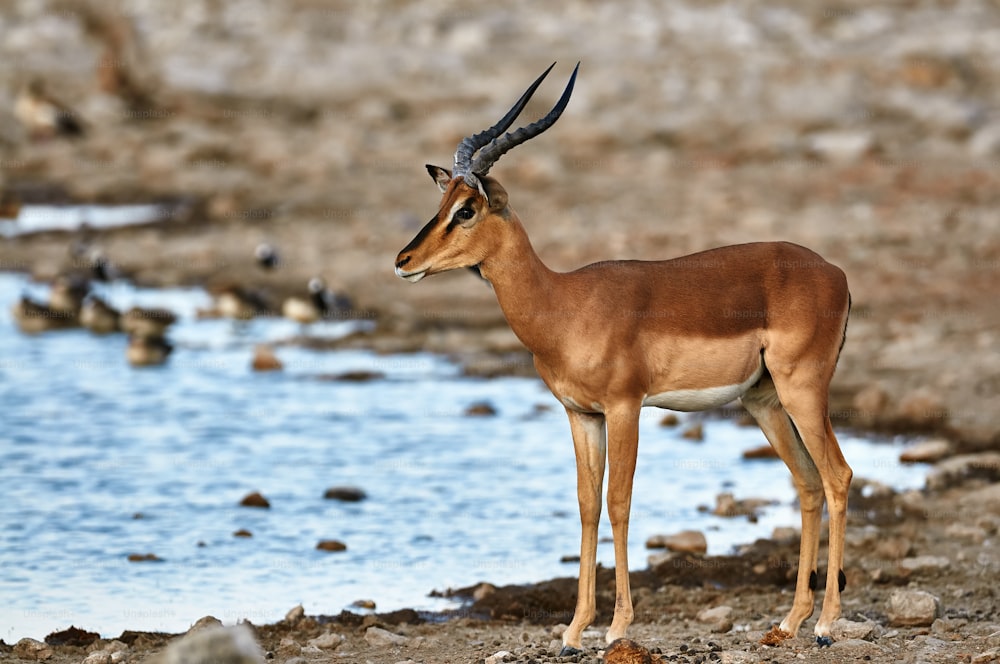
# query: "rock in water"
255,499
215,645
347,494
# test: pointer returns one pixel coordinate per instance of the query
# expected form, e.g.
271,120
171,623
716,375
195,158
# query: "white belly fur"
703,399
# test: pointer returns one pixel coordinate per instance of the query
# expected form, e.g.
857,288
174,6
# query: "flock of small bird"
74,302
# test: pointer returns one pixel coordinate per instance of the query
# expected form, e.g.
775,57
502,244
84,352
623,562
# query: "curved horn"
468,147
499,146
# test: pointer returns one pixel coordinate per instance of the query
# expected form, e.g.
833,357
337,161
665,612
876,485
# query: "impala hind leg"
762,402
807,408
590,445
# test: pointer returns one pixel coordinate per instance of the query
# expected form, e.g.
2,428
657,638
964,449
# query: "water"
87,444
36,218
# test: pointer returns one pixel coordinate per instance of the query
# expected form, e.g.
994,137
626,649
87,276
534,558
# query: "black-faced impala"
763,322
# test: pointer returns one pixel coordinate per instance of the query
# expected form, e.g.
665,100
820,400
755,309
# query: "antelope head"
473,210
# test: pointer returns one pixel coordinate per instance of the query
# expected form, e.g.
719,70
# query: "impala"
763,322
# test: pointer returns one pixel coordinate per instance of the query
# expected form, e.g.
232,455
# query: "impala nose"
400,262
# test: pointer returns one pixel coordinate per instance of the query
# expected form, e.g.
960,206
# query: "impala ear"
440,175
495,193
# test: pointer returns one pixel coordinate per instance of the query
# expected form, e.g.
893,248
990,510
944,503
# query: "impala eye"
465,214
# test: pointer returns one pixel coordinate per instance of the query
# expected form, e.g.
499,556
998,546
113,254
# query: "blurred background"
869,133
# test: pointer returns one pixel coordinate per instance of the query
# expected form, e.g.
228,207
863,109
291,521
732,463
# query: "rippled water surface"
99,461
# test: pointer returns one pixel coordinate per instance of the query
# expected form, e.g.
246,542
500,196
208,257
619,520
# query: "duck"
239,303
147,322
308,310
266,256
43,116
33,317
146,351
99,317
67,294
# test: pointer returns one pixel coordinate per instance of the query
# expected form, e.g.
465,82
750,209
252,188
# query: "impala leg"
809,412
590,445
762,402
623,441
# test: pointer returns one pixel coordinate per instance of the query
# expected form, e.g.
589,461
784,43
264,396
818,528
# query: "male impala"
763,322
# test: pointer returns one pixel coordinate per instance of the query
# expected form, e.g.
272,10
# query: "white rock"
498,657
841,146
686,541
715,614
295,614
380,638
843,629
924,563
99,657
957,469
208,645
327,641
928,451
909,608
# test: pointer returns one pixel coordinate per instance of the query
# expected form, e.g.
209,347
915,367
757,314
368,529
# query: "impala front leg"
590,444
623,443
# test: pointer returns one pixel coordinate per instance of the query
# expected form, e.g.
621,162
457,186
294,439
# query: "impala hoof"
824,641
570,651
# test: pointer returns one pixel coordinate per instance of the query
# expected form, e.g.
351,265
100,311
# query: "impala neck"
525,288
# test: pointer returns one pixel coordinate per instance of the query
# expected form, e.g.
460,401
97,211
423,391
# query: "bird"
320,303
239,303
98,316
267,256
147,351
33,317
43,116
147,322
67,293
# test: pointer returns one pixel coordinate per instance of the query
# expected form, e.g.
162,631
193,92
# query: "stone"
761,452
144,558
243,532
987,657
982,501
328,641
871,402
841,146
959,469
943,626
924,563
289,647
922,408
481,409
255,499
843,629
669,420
232,645
893,548
331,545
686,541
720,618
377,637
695,432
346,494
785,535
99,657
295,614
928,451
727,505
264,359
206,622
913,608
32,650
74,636
498,657
626,651
366,604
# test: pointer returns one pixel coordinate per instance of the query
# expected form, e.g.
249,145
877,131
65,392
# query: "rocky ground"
870,134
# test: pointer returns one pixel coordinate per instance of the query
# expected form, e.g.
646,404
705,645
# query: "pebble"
922,408
924,563
377,637
233,645
498,657
893,548
255,499
762,452
347,494
481,409
264,359
982,501
843,629
958,469
99,657
785,535
686,541
669,420
913,608
331,545
928,451
695,432
328,641
727,505
871,401
720,618
144,558
32,650
242,532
